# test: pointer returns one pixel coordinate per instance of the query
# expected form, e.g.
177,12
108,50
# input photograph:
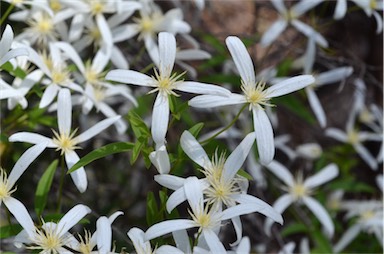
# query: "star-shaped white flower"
255,95
65,141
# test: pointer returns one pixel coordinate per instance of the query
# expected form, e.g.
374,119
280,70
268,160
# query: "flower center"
5,188
49,240
298,190
366,215
353,137
91,75
147,23
164,84
373,4
289,15
85,245
59,76
44,25
65,142
204,218
96,7
255,95
365,116
99,93
55,5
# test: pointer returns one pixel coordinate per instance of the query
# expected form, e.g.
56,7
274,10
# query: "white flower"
290,16
7,184
6,53
255,95
370,7
309,151
370,220
65,141
51,237
164,82
300,191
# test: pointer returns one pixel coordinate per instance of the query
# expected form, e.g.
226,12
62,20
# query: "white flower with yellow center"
255,94
65,141
164,82
51,237
300,191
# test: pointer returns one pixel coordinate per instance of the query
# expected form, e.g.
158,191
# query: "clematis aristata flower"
299,191
64,140
51,237
6,53
254,94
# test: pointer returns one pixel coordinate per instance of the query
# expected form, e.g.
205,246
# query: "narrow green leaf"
10,230
195,130
294,228
244,174
43,188
102,152
136,151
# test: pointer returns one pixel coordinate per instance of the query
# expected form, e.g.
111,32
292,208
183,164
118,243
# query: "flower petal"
340,10
49,95
64,111
281,172
79,176
273,32
167,53
366,156
289,85
211,101
160,118
347,237
194,150
264,135
105,31
104,235
71,218
323,176
336,134
167,249
315,104
129,77
194,194
310,32
33,138
21,214
303,6
96,129
213,241
322,214
170,181
280,205
160,160
202,88
166,227
242,60
333,76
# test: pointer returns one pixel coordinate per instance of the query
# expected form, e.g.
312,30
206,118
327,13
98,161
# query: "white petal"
322,214
366,156
152,49
194,150
160,160
79,176
236,159
182,241
280,205
73,55
264,135
129,77
273,32
236,222
281,172
105,31
64,111
325,175
12,54
336,134
202,88
166,227
21,214
6,40
137,237
49,95
24,161
242,60
96,129
77,27
309,57
316,107
303,6
101,59
310,32
160,119
167,53
379,22
104,235
175,199
125,32
71,218
118,59
213,241
333,76
194,193
32,138
244,246
347,237
120,124
279,5
170,181
290,85
192,54
167,249
239,209
210,101
341,9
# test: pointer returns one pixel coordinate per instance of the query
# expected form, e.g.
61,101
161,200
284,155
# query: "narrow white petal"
264,135
152,49
310,32
101,59
242,60
21,214
322,214
290,85
6,40
24,161
325,175
202,88
237,225
167,53
194,150
315,104
77,27
303,6
192,54
49,95
280,205
194,193
137,237
129,77
273,32
238,210
104,235
165,227
105,31
310,55
281,172
182,240
366,156
79,176
213,241
64,111
118,59
125,32
33,138
211,101
279,5
73,55
236,159
379,22
167,249
244,246
160,119
96,129
160,160
340,10
113,217
347,237
71,218
175,199
333,76
336,134
170,181
12,54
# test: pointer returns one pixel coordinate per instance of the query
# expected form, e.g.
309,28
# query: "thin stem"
227,127
7,12
61,184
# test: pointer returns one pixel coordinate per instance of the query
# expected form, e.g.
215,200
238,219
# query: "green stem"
61,184
7,12
147,68
227,127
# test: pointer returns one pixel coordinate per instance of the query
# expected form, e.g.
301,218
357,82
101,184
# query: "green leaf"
322,243
296,106
102,152
138,125
294,229
136,151
10,230
194,130
43,188
244,174
152,215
